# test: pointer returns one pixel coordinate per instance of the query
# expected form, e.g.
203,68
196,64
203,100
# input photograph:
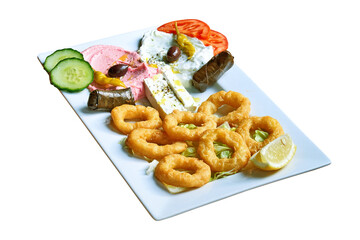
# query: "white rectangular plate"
160,203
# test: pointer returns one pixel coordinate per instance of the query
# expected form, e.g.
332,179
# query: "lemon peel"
276,154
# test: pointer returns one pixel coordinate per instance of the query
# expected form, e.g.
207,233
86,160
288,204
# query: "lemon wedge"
276,154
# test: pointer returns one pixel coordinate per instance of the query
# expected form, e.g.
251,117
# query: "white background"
56,182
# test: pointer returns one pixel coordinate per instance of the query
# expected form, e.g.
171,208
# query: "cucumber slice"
57,56
72,75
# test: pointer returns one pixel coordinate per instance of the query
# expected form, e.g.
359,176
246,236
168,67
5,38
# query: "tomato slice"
217,40
190,27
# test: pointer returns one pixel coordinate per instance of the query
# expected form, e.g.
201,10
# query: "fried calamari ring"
167,171
153,143
233,99
206,150
268,124
149,117
201,120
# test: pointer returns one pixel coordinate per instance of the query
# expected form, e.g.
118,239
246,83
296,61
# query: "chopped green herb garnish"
222,150
260,136
189,126
189,152
219,175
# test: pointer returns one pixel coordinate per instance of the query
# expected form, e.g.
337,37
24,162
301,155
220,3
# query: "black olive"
173,54
118,70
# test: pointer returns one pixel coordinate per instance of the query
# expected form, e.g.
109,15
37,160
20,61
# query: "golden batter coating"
268,124
180,171
201,120
148,116
233,99
153,143
206,150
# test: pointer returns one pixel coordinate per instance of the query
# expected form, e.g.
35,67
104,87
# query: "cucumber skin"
91,72
48,58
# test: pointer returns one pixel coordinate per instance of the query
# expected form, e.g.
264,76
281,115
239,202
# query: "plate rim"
160,214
